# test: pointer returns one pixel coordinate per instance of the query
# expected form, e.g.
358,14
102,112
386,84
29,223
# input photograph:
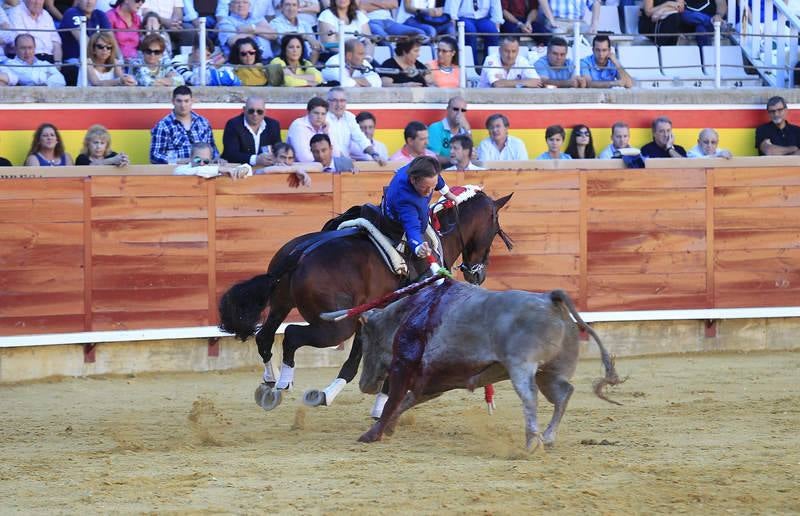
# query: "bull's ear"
499,203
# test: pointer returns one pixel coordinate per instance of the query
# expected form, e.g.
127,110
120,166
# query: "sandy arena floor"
706,434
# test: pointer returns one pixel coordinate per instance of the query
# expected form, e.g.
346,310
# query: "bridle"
466,268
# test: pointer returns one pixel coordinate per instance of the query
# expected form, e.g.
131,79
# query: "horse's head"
472,235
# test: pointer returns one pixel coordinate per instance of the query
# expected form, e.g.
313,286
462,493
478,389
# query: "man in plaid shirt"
173,136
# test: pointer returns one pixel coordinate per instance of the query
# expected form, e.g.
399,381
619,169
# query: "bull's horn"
338,315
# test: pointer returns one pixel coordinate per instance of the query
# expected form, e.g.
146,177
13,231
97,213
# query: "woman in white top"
343,12
103,69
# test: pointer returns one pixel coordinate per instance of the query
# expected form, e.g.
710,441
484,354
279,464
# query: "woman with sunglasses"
297,70
247,56
156,69
444,69
47,149
125,20
580,144
96,149
103,69
151,23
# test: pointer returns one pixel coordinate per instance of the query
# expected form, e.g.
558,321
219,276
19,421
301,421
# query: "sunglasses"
153,51
247,53
197,160
138,1
462,109
582,133
253,111
103,47
709,142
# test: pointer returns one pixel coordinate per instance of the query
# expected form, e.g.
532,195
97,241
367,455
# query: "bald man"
706,147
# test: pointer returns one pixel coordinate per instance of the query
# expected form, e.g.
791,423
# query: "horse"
326,271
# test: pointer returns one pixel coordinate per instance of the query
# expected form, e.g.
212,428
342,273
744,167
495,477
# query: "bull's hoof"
267,398
534,442
315,398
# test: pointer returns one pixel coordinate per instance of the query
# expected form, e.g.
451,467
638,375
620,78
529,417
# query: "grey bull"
456,336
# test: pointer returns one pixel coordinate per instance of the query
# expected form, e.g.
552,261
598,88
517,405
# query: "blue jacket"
404,205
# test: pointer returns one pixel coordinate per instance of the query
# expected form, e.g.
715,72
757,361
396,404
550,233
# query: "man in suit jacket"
247,137
322,150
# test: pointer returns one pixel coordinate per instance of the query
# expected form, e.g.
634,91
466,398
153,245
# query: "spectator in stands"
381,23
6,36
661,17
194,10
416,138
454,122
203,164
284,154
562,14
96,20
284,161
247,137
103,69
30,16
556,69
521,16
289,21
125,21
427,15
444,69
217,72
259,9
47,149
7,76
778,137
366,122
297,70
30,71
343,128
96,149
500,146
151,23
699,16
706,147
57,9
554,135
508,69
404,69
4,162
581,145
241,23
156,68
663,144
602,69
479,16
173,136
461,153
620,139
358,72
322,151
245,52
302,129
170,14
347,13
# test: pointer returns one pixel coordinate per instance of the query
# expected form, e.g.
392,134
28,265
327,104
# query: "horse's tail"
611,377
241,306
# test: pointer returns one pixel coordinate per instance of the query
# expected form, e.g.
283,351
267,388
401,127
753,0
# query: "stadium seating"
469,66
732,67
642,64
382,53
425,54
682,64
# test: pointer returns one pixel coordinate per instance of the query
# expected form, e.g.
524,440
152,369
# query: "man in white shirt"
357,69
508,69
31,16
706,147
501,146
7,76
343,128
31,71
461,153
367,122
620,139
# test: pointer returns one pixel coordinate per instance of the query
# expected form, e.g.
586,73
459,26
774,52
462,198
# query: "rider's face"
425,185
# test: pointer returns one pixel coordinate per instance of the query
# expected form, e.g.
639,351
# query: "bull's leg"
409,401
318,335
557,390
522,377
400,378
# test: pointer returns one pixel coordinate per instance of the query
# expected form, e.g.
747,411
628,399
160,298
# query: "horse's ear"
499,203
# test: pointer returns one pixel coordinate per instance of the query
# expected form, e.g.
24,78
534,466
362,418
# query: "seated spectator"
289,20
479,16
217,72
416,137
454,122
508,69
245,52
103,69
29,70
6,36
554,135
302,129
500,146
170,15
620,139
601,69
404,69
57,9
561,15
343,129
47,149
367,122
297,70
699,16
347,13
778,137
96,149
556,69
172,137
706,147
358,70
247,137
151,23
156,69
202,163
322,151
381,23
426,15
444,69
241,23
659,17
125,21
663,144
581,145
521,16
30,16
7,76
192,14
96,20
284,164
461,153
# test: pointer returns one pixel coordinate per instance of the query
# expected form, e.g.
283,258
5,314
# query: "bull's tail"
241,306
611,377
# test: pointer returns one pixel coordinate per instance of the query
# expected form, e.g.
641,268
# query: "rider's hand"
423,250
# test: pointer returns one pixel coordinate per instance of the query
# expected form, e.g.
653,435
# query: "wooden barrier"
129,252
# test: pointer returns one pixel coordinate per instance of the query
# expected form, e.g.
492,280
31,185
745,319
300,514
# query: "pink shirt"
20,18
299,137
128,41
404,156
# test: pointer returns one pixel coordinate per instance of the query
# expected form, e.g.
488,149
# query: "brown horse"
331,270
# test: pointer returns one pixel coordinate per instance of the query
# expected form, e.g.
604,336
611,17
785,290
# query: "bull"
457,336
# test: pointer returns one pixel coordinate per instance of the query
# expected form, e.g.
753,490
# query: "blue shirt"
170,135
546,155
545,71
404,205
597,73
72,20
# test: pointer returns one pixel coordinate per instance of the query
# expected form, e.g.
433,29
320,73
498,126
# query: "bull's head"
376,339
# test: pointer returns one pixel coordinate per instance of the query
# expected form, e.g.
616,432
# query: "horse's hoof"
314,398
266,397
369,437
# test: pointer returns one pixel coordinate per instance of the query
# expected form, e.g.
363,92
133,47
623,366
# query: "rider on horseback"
406,200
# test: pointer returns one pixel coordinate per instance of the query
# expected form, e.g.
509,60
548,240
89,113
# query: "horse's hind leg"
318,335
266,337
316,398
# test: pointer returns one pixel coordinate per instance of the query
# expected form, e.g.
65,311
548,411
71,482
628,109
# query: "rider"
406,202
